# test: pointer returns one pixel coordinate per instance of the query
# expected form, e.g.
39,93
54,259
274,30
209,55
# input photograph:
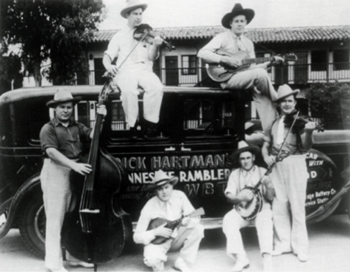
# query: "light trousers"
187,241
233,222
263,92
57,196
129,82
289,178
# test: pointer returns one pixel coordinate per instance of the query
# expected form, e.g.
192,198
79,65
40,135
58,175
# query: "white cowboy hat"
62,96
131,5
160,179
237,10
285,91
242,147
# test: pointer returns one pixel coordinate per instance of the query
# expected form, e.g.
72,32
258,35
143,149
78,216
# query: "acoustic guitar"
221,73
155,223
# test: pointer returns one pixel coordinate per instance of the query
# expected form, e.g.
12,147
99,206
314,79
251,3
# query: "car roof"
49,91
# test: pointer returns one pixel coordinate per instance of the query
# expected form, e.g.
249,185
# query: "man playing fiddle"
289,176
248,175
133,69
256,77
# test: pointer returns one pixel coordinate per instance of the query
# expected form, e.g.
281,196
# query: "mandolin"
220,73
156,222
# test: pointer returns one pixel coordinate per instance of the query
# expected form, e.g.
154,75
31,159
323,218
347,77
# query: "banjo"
248,210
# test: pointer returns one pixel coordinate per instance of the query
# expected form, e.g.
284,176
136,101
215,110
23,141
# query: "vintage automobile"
198,130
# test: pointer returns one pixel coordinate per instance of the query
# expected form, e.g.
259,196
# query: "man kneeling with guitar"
228,50
250,190
168,221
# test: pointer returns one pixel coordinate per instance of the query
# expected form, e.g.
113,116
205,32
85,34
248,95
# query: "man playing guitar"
256,77
168,204
237,192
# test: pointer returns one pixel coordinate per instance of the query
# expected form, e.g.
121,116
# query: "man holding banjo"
240,191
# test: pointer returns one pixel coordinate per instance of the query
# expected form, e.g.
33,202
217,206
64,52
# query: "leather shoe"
159,267
268,264
81,264
62,269
242,262
302,257
278,252
181,265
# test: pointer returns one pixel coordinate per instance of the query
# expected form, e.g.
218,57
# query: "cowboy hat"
237,10
243,147
131,5
160,179
285,91
62,96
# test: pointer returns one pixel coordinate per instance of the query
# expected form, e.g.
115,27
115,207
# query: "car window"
205,117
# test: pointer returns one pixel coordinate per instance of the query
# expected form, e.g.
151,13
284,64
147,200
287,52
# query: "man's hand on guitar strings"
230,61
162,231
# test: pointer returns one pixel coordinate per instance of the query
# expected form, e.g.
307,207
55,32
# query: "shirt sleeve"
113,47
48,137
232,184
267,134
141,234
207,52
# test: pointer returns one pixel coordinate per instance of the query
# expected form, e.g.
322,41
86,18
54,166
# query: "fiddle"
144,30
300,122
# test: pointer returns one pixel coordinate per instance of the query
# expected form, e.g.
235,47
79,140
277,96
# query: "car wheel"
32,226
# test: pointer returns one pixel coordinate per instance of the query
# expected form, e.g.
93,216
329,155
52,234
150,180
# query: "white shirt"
228,42
240,178
122,44
173,209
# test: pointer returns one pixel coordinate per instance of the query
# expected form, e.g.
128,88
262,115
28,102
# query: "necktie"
239,44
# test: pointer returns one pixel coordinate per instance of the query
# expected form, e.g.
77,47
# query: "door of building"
301,68
99,71
171,71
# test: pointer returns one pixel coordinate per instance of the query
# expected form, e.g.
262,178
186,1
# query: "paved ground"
329,251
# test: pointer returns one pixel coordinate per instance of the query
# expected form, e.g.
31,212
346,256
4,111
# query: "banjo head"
249,210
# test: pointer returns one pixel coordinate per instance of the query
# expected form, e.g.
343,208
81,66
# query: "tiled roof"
268,35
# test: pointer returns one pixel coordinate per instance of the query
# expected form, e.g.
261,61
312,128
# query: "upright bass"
96,230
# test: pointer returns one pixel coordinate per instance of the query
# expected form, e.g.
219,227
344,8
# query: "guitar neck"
257,60
175,223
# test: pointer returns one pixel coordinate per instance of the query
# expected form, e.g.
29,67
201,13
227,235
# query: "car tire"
32,226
